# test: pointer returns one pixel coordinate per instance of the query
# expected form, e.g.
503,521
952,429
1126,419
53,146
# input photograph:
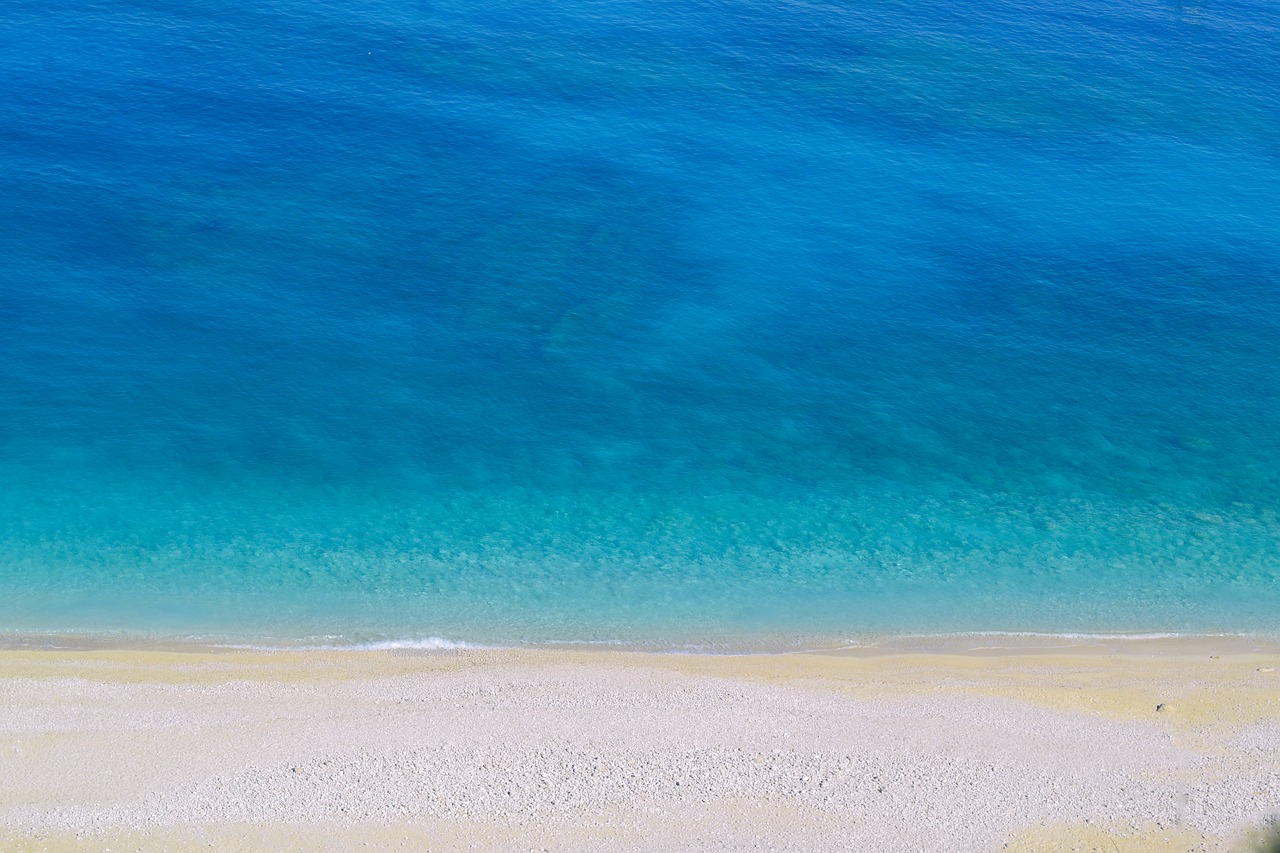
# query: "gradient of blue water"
673,322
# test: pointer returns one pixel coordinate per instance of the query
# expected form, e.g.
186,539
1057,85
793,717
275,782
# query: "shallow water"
641,322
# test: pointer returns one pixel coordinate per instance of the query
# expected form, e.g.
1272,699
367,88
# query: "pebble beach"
969,745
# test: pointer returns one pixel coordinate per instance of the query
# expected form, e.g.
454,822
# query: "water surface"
652,322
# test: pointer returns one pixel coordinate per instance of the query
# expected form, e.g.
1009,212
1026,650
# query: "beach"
959,743
593,426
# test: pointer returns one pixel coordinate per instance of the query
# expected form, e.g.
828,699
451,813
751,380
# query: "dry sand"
957,745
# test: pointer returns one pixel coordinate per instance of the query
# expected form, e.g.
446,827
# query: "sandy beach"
964,744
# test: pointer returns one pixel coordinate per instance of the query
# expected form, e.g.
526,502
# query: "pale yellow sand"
974,746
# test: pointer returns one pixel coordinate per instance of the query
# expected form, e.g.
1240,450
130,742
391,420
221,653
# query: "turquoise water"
673,323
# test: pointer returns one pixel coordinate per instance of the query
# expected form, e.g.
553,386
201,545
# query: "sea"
672,324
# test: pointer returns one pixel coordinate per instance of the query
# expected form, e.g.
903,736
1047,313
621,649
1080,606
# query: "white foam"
423,644
409,643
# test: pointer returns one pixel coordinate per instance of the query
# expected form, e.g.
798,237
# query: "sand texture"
1172,746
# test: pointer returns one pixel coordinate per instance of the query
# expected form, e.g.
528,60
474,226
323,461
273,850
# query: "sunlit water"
649,322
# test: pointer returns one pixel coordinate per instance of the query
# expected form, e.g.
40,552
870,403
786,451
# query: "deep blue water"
663,322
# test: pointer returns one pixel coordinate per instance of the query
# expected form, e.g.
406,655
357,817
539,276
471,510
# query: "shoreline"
958,643
1146,744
